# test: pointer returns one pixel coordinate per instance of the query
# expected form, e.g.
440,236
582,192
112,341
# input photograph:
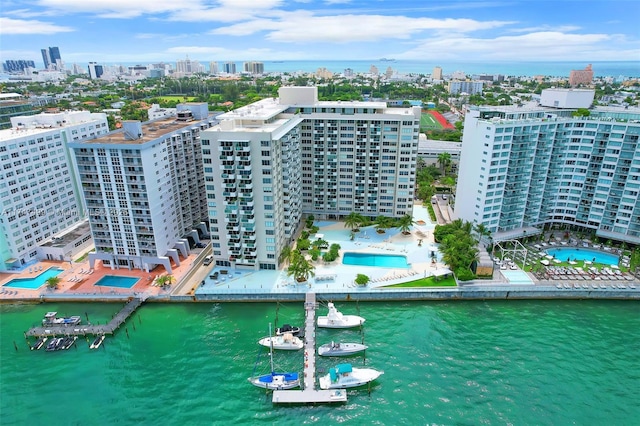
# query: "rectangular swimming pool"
35,282
371,259
577,254
117,281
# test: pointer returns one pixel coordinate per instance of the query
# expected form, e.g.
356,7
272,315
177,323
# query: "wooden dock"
89,329
309,394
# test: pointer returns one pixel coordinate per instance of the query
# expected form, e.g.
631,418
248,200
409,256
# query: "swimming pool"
117,281
35,282
583,254
370,259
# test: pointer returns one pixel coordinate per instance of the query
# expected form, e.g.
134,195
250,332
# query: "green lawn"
428,122
427,282
177,98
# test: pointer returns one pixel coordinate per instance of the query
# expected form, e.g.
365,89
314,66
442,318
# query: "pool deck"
196,282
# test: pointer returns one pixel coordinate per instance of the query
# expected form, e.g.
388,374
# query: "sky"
144,31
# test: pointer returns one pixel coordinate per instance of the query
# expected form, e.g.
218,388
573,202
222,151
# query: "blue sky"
113,31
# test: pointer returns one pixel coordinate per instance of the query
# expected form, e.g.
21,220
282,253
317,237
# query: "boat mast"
271,348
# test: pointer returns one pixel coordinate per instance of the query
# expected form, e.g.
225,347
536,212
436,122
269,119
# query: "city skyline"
335,29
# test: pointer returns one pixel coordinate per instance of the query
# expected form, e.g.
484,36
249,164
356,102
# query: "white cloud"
237,54
113,8
22,26
302,26
544,45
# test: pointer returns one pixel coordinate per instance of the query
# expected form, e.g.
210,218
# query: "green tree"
353,220
52,282
444,159
300,268
382,223
362,279
405,223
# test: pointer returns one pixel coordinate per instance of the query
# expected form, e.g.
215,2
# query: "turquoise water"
35,282
453,363
381,260
117,281
583,254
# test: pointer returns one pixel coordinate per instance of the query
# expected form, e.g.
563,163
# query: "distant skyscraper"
584,76
254,67
17,65
374,70
229,67
95,70
437,73
51,58
213,67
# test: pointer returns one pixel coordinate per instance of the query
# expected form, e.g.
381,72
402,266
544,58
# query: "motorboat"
53,344
286,341
344,376
38,344
335,319
67,342
287,328
275,380
97,342
340,349
51,318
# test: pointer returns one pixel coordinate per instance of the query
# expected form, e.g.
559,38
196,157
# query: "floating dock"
309,394
83,330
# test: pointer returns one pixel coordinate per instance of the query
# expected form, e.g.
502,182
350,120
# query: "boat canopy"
340,369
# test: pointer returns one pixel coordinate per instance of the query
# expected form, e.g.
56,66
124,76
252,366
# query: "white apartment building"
144,190
526,167
269,162
38,188
468,87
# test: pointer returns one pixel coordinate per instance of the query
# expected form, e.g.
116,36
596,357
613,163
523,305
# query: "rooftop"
151,130
69,236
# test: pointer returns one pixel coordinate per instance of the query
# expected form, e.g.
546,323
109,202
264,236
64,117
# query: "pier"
309,394
83,330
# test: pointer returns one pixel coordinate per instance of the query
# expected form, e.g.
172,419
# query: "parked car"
200,245
444,197
208,260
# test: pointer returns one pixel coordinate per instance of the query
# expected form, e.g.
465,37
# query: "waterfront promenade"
195,282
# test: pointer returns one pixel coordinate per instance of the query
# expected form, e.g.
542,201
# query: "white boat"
340,349
286,342
275,380
344,376
335,319
51,318
97,342
288,328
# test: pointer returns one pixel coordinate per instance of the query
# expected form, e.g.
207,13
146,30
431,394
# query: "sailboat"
275,380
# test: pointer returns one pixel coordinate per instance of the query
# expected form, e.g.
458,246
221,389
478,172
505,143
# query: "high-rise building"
213,68
145,191
188,67
584,76
17,65
51,58
254,67
437,73
522,168
269,162
39,190
14,105
468,87
95,71
229,67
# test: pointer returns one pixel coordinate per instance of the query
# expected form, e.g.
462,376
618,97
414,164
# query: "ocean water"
516,362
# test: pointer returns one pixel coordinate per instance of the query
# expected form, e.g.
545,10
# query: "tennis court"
428,122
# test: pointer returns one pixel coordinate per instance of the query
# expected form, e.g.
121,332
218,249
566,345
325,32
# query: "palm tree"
405,223
300,268
285,255
382,223
162,280
353,221
482,231
52,282
444,159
